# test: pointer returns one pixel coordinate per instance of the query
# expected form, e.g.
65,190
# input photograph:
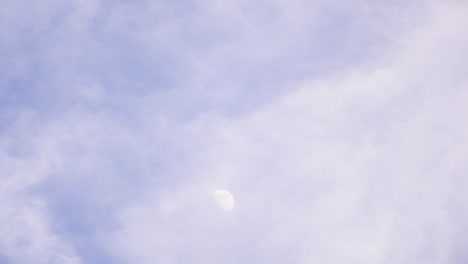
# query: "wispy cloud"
339,128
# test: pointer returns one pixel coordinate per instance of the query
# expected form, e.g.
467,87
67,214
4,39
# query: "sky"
338,126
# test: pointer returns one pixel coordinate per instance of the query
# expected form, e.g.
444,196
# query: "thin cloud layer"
337,126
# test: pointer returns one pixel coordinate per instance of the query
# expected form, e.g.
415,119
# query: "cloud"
338,128
351,167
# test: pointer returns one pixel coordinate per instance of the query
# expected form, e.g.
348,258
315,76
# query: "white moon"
224,199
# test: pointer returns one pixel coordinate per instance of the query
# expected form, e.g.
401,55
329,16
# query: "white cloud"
338,129
352,167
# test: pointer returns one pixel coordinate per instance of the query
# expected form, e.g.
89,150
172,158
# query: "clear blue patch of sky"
78,218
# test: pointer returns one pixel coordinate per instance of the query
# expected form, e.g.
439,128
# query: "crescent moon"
224,199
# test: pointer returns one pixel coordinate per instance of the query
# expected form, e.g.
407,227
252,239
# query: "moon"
224,199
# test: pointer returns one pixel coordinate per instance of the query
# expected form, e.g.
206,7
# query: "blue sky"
339,127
